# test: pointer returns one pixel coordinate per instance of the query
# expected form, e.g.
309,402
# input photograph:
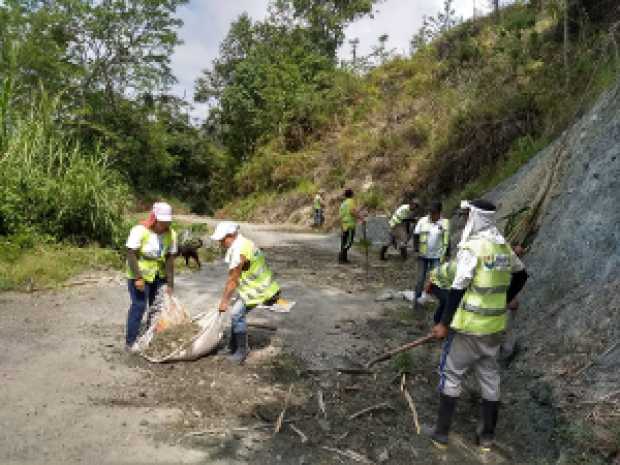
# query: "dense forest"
90,131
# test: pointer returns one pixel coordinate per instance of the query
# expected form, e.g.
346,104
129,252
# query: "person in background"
488,276
249,277
349,217
431,239
399,227
319,217
438,285
151,248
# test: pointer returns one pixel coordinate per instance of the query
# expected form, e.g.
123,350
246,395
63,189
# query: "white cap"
162,211
224,229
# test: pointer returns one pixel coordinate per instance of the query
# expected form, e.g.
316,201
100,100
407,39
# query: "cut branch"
410,402
382,405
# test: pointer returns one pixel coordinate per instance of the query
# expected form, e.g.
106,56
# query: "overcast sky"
206,23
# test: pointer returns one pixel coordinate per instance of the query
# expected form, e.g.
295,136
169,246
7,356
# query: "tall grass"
48,185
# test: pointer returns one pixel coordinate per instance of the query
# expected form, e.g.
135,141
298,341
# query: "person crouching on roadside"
249,277
151,248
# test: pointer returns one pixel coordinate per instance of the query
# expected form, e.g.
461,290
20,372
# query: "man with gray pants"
488,275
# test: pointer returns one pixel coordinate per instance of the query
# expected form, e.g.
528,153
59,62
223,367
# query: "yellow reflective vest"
425,227
403,212
156,266
347,220
256,284
443,275
482,310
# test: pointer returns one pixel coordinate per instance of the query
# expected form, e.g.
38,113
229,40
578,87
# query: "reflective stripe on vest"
152,267
483,308
346,216
256,285
425,229
400,214
443,275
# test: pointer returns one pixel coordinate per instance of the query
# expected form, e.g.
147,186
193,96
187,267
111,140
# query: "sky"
206,23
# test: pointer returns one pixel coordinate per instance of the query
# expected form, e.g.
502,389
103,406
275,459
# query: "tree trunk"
566,40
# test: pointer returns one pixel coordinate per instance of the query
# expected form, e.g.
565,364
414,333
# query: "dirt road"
71,395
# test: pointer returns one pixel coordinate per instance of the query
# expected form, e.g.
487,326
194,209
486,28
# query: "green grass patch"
49,265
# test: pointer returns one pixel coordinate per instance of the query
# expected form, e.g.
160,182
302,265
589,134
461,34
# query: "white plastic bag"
212,324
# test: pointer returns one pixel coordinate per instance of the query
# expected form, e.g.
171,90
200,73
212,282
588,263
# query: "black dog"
189,250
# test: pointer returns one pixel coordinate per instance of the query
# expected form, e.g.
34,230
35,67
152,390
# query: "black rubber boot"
485,434
384,250
439,435
241,340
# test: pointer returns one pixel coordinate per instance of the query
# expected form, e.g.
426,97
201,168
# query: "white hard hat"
162,211
224,229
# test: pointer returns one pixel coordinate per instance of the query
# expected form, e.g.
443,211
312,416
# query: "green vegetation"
89,132
47,264
473,102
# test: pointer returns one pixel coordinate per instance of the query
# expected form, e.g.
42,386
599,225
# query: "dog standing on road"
189,249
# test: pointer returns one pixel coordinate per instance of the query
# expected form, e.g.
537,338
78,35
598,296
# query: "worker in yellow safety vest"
399,224
438,285
249,277
349,216
319,217
431,239
151,248
488,275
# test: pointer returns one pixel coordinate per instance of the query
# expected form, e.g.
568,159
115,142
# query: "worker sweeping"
431,239
399,227
249,277
488,275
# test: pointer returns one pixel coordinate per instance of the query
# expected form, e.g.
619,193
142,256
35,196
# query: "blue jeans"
239,311
237,317
425,265
138,305
318,217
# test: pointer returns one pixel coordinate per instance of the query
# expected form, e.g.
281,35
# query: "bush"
50,187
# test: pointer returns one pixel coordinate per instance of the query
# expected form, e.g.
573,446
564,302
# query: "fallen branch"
321,403
350,455
410,402
243,428
302,436
346,371
391,353
370,409
281,416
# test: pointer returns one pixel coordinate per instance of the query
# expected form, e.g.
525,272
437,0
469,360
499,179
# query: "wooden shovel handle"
410,345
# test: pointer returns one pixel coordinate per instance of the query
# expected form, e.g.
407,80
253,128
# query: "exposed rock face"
569,321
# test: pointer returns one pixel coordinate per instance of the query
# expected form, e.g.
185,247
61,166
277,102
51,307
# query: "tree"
434,26
275,78
325,20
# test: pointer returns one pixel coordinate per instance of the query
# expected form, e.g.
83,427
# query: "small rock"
324,424
144,423
383,456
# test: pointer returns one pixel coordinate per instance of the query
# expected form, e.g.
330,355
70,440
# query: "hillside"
457,117
569,320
